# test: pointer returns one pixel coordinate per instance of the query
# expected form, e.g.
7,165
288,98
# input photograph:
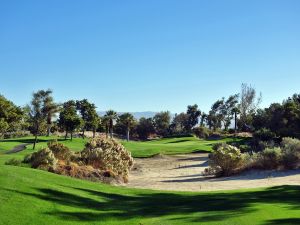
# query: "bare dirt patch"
184,173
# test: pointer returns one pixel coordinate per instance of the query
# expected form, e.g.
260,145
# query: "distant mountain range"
136,115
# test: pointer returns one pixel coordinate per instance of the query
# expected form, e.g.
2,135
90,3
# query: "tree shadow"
178,141
287,221
30,141
94,205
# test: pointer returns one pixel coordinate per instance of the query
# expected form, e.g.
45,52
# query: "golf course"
161,112
30,196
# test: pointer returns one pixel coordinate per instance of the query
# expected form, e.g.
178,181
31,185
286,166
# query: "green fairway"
180,145
31,197
77,144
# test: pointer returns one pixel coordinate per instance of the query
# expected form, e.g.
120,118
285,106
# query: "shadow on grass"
91,205
252,175
177,141
288,221
31,141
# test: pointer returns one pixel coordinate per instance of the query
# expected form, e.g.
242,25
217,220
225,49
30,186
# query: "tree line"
237,112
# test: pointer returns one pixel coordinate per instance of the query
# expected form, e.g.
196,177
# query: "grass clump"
13,162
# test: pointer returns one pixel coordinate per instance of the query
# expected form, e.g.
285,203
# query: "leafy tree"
69,119
249,102
203,119
3,126
282,119
216,115
193,114
11,116
229,110
93,121
88,115
112,116
178,124
162,122
145,127
127,122
38,112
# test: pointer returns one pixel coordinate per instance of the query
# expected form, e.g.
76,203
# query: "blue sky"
149,55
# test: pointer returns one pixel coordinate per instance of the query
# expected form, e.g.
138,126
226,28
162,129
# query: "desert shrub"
201,132
108,155
269,158
43,159
263,138
290,153
13,162
59,150
250,161
16,134
225,159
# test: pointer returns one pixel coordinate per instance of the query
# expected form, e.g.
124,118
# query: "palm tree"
111,117
235,111
105,123
128,121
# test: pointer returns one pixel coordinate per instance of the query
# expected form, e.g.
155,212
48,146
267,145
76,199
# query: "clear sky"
149,55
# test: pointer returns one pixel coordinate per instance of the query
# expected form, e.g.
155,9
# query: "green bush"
201,132
270,158
13,162
290,153
43,159
108,155
262,139
225,160
59,150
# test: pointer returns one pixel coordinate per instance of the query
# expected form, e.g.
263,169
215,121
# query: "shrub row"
100,158
226,160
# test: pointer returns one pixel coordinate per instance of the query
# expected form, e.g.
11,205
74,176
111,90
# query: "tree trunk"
36,134
94,133
66,135
235,123
111,133
35,140
127,134
83,133
106,131
72,136
48,130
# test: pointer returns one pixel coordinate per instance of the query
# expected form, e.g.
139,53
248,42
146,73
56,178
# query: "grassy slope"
31,197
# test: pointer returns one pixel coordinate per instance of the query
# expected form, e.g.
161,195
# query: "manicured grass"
180,145
7,144
30,197
170,146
